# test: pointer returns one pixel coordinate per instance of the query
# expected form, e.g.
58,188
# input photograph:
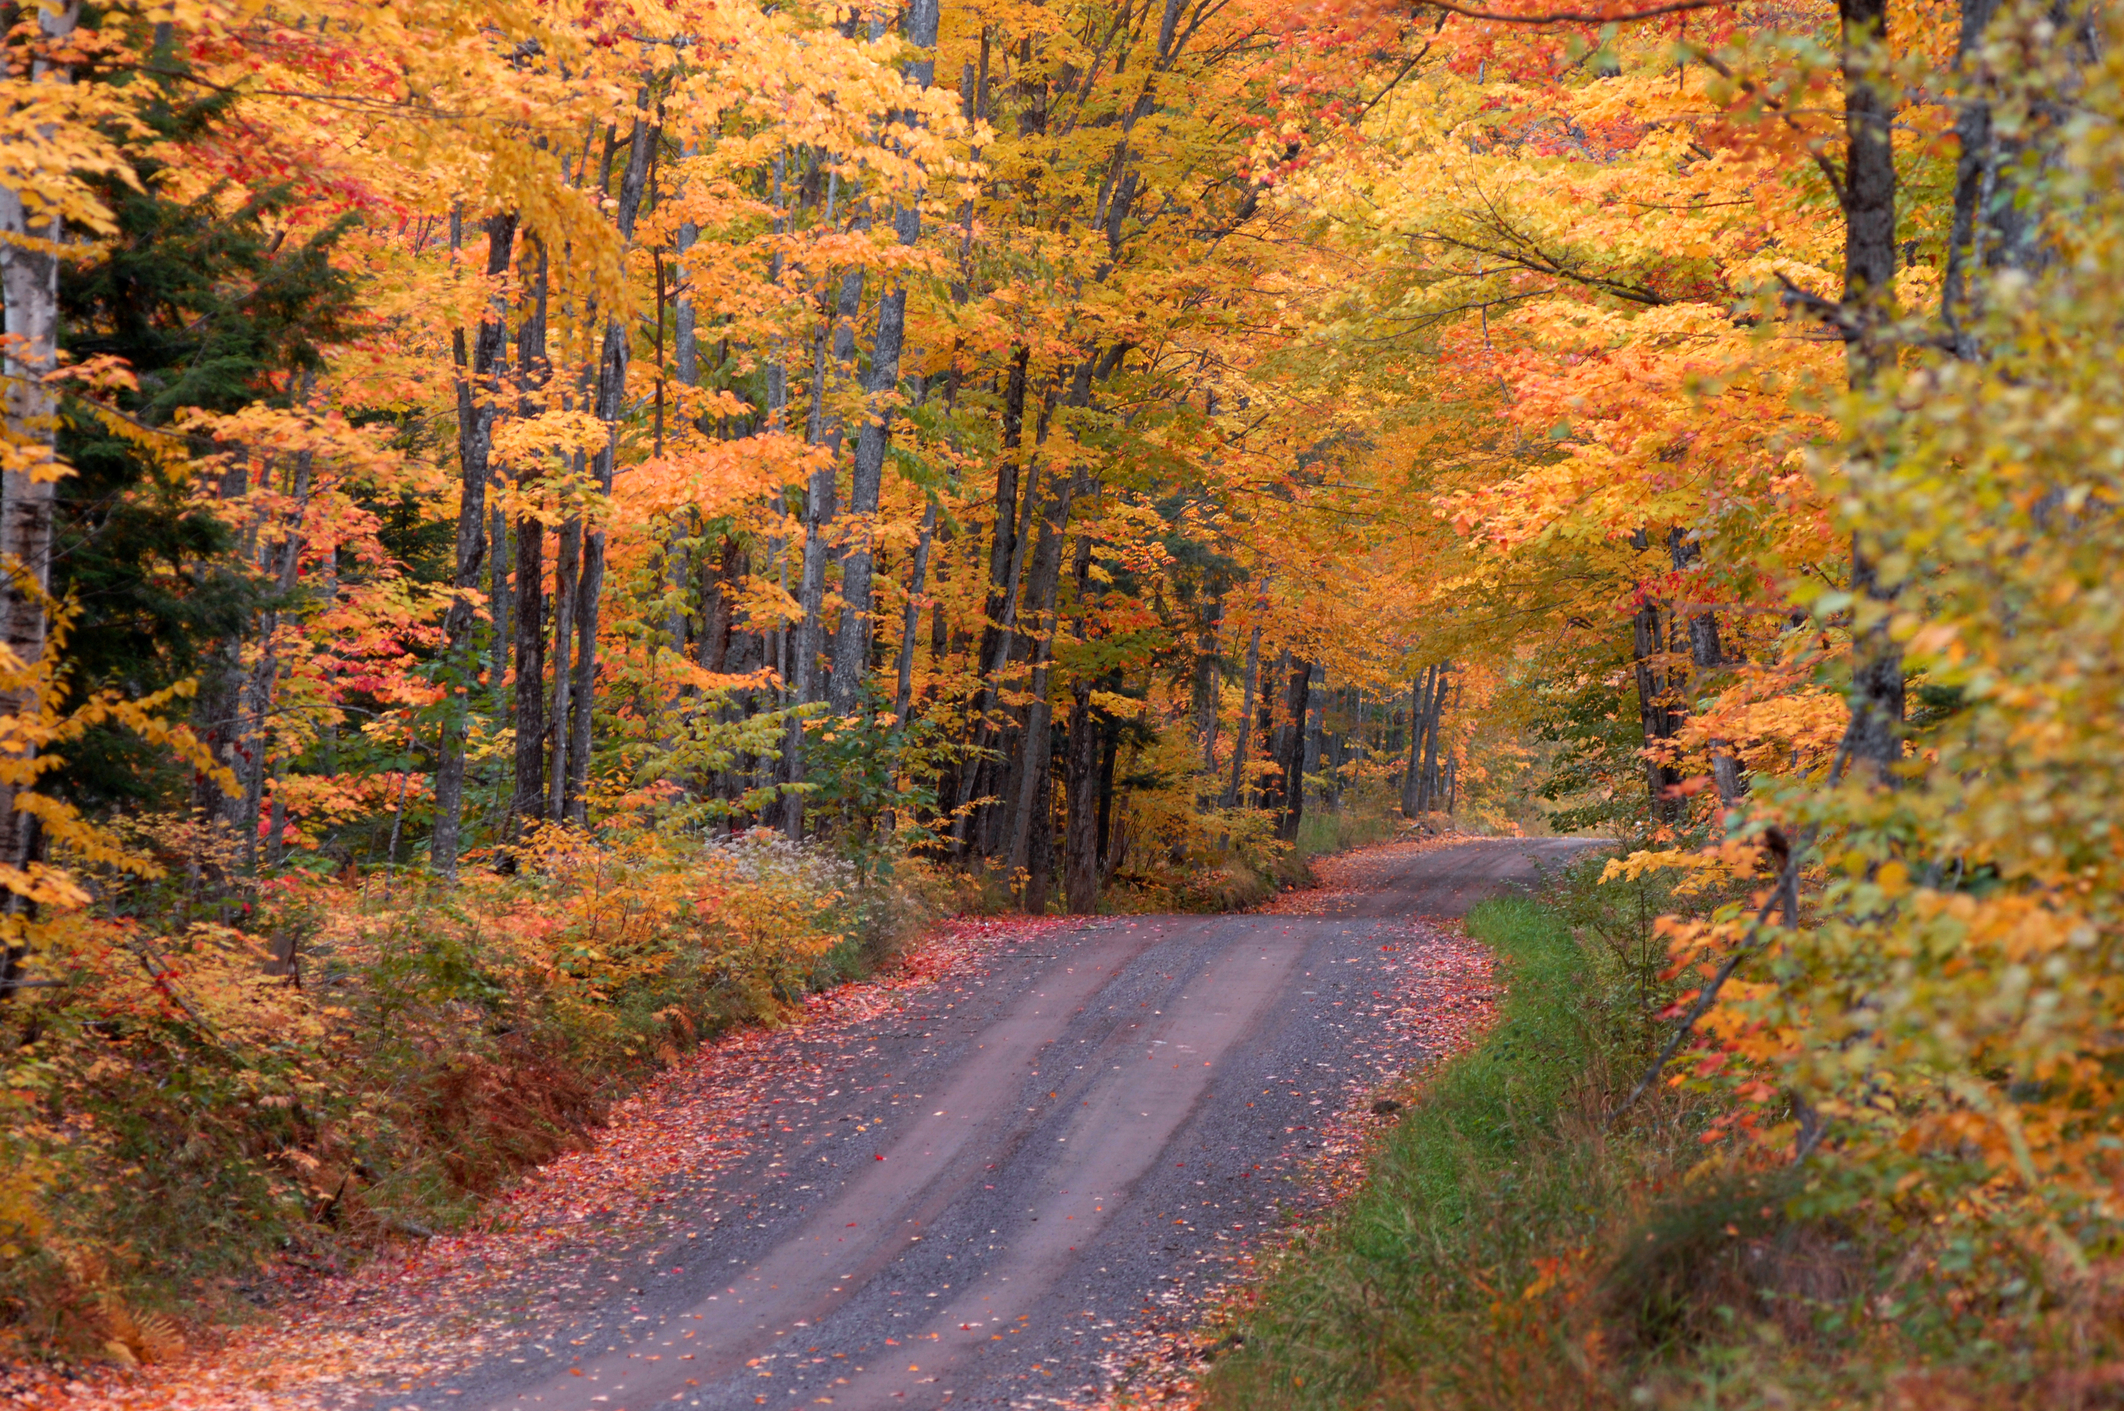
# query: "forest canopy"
598,464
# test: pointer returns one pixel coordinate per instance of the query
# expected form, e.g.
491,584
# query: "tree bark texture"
611,393
1292,765
1867,312
1235,795
30,243
477,390
851,649
1315,720
1208,677
910,621
1656,715
1032,760
1080,842
819,509
567,583
527,804
1707,656
1080,852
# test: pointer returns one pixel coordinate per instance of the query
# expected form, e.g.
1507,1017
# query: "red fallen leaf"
880,1156
575,1371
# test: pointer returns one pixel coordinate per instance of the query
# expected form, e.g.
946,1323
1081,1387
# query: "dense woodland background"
539,529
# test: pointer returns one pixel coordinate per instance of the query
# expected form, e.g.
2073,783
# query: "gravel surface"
969,1204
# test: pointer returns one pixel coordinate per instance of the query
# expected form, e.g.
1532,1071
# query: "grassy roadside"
1480,1184
1512,1250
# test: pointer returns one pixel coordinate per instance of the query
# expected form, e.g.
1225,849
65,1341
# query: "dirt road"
963,1207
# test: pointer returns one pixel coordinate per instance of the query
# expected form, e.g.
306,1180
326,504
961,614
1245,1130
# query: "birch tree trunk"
30,240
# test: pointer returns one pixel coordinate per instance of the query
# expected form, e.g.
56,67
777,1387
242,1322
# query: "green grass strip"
1398,1300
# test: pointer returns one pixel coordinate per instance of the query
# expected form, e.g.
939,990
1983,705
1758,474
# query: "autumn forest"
542,534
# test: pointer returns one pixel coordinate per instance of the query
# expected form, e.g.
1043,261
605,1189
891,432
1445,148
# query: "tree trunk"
1032,760
500,602
1412,790
720,581
903,691
282,565
990,772
1080,850
1706,655
824,430
1275,736
1297,703
1427,730
1040,853
1003,544
527,804
1207,680
1315,720
1655,715
477,390
611,394
1867,313
1080,871
567,575
29,279
1234,796
1985,156
851,650
1109,755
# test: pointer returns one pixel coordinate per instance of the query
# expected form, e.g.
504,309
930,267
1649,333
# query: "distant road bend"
1021,1163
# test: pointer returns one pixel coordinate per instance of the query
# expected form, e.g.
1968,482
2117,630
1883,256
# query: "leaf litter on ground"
408,1317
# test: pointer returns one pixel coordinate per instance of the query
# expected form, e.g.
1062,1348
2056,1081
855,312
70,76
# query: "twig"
163,984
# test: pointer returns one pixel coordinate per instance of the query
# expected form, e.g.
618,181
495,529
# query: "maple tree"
1071,446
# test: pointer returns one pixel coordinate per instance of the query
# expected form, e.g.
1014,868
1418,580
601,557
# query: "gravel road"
968,1204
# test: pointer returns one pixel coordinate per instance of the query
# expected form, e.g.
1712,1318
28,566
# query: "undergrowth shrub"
341,1061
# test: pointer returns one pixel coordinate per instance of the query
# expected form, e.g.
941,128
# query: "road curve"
977,1196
